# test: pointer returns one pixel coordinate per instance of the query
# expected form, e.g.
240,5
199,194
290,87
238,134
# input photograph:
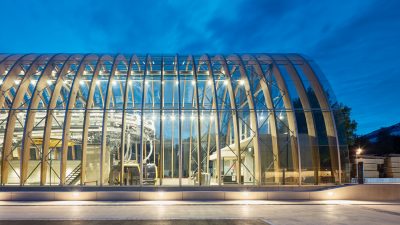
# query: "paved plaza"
196,213
138,222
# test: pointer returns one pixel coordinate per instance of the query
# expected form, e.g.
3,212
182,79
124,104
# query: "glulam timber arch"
291,119
102,119
17,102
59,83
330,125
41,85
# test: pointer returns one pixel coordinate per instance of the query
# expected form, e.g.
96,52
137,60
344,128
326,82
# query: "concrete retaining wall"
376,192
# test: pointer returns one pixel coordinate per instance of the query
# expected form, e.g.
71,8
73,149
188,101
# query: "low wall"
372,192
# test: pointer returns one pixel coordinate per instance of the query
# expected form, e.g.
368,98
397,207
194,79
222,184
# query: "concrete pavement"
249,212
137,222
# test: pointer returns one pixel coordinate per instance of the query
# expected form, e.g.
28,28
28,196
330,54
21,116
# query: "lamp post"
358,152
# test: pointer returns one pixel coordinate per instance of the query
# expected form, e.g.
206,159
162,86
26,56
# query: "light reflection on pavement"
275,212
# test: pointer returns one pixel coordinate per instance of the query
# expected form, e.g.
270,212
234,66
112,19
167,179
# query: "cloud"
354,42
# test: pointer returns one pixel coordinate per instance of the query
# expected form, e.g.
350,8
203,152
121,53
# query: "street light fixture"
358,152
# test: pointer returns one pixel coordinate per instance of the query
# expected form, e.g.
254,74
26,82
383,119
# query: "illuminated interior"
172,120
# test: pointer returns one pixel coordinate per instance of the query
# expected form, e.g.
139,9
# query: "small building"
380,166
392,166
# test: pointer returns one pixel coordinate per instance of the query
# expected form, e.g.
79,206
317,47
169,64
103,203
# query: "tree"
345,124
386,143
380,142
350,125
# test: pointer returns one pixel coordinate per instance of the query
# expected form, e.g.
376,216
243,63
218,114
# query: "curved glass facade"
167,120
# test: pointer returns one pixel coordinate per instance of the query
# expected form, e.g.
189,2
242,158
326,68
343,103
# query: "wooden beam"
327,115
49,116
18,98
31,114
67,118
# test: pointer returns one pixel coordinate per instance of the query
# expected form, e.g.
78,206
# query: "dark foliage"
382,144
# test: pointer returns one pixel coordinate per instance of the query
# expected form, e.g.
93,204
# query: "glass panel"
170,145
151,123
171,148
93,150
133,127
35,135
54,153
151,147
3,122
227,147
131,168
246,126
326,171
74,152
190,153
14,156
209,153
188,121
208,126
112,159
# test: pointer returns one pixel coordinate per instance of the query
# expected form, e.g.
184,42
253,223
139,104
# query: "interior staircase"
74,176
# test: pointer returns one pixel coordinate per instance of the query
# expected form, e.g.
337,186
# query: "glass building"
168,120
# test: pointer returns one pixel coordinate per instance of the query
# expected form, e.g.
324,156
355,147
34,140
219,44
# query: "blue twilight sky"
356,43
